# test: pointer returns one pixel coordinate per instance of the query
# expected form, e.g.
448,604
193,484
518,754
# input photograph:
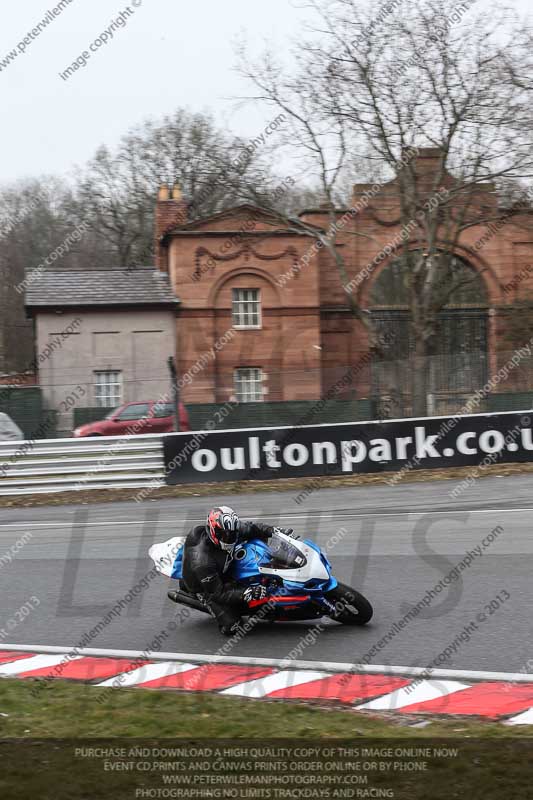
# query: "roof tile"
139,286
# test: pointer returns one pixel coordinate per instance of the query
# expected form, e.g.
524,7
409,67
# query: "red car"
149,416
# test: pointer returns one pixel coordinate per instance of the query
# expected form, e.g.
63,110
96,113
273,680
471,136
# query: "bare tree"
386,81
34,222
322,147
118,189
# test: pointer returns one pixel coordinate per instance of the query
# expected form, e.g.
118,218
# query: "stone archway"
458,366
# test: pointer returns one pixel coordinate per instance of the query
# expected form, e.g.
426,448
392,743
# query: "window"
391,287
108,389
248,382
246,308
163,410
134,411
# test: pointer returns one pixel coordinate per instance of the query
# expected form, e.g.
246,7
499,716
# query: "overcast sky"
168,54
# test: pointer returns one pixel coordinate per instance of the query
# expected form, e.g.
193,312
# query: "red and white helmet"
223,527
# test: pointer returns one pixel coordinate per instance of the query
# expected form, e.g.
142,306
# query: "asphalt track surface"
392,543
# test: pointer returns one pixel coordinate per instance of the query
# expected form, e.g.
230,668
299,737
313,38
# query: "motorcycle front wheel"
351,608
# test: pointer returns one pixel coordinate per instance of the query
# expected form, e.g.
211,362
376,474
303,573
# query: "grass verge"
65,709
38,756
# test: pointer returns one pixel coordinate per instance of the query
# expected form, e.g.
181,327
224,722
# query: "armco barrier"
55,465
340,449
154,460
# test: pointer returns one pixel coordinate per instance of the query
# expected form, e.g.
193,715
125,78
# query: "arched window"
458,364
391,287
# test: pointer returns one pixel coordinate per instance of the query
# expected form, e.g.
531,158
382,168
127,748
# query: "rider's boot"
230,630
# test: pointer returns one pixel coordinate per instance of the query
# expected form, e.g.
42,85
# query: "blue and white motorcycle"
295,572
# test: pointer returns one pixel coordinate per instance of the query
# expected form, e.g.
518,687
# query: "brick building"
227,268
254,309
279,294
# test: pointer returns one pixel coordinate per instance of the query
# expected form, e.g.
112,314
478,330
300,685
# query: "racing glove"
254,593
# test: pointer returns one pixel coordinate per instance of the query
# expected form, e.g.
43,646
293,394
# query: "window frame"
159,405
235,301
125,409
114,399
238,382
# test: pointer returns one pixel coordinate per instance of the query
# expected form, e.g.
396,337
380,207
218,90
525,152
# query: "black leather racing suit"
205,568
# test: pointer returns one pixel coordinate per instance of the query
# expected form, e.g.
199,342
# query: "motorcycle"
295,572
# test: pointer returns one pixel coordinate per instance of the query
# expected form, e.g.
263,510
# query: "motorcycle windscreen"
283,554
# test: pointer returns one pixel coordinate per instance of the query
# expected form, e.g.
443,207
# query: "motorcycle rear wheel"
351,607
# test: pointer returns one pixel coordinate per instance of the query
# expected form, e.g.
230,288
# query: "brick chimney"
171,211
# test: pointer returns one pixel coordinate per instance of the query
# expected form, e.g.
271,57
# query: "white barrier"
56,465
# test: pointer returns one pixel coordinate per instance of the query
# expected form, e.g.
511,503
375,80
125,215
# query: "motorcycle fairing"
255,558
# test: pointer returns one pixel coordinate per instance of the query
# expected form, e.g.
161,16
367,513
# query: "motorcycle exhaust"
187,600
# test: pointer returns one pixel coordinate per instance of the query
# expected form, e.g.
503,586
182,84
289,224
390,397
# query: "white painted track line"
310,514
280,663
150,672
261,687
421,693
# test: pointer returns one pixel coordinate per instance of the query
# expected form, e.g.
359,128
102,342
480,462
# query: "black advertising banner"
358,447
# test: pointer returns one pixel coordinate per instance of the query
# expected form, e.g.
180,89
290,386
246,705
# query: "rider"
207,555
